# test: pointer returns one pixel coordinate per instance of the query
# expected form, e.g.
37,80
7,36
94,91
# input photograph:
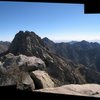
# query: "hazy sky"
57,21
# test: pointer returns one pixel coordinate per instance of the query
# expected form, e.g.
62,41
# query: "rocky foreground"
91,90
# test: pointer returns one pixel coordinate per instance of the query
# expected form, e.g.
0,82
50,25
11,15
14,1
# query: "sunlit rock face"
90,90
42,79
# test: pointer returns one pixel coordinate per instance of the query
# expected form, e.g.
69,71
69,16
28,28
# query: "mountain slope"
4,46
82,52
61,70
29,44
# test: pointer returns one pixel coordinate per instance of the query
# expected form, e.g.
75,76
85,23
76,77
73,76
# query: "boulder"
14,70
30,63
25,82
14,76
41,79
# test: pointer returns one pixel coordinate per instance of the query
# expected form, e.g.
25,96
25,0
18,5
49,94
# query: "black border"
91,6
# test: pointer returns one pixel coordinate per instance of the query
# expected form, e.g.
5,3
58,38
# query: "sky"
57,21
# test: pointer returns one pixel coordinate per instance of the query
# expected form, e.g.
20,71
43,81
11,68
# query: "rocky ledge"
24,72
90,90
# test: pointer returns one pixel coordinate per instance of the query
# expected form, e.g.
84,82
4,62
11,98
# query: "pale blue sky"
57,21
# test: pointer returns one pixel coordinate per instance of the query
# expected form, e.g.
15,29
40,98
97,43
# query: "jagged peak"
84,41
27,33
48,41
26,42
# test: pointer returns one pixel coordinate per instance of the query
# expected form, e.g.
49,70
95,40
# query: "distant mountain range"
4,46
83,52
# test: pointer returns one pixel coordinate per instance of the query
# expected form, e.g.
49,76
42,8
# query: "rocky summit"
27,43
31,63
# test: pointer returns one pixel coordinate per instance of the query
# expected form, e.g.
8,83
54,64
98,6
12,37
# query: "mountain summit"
27,43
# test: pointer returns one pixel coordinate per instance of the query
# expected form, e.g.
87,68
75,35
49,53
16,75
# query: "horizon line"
59,41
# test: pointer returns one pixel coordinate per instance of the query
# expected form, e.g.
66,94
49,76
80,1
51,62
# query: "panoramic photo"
49,48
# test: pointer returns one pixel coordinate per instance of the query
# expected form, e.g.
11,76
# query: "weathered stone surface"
9,55
91,90
27,43
30,63
14,76
14,70
42,79
25,82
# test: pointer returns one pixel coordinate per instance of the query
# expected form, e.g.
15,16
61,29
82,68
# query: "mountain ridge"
82,52
61,69
4,45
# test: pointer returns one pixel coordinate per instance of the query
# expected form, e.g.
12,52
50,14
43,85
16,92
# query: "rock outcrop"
89,90
15,70
27,43
42,79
